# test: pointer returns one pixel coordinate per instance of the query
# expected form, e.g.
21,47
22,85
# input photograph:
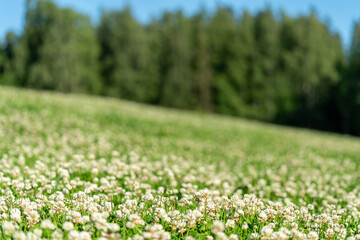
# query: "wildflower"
230,223
33,217
38,232
74,235
130,225
313,235
217,226
8,228
266,231
84,236
57,235
68,226
221,236
113,227
19,236
244,226
47,224
138,237
233,237
254,236
15,215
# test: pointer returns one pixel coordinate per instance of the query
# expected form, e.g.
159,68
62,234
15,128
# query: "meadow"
81,167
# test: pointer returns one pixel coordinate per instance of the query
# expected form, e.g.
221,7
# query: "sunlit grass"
104,168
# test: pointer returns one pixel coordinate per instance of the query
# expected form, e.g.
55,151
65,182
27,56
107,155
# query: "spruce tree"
126,60
176,86
202,72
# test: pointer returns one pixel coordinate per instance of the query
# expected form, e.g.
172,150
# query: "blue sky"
340,14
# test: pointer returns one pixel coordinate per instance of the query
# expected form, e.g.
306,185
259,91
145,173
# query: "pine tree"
127,65
60,49
264,84
350,87
202,72
311,54
7,59
176,84
224,45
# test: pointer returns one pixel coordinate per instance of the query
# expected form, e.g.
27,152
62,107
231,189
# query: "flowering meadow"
77,167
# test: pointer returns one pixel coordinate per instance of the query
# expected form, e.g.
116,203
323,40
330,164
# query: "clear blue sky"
340,14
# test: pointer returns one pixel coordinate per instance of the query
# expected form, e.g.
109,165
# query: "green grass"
275,163
156,131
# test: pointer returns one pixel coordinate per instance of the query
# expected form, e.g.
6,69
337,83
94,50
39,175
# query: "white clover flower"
217,226
85,219
230,223
254,236
19,236
33,217
310,207
263,217
266,231
244,226
148,197
15,215
8,228
329,233
138,237
74,235
84,236
47,224
294,225
113,227
221,236
4,215
96,216
57,235
68,226
38,232
130,225
233,237
32,236
313,235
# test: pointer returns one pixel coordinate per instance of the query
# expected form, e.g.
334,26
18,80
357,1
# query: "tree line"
263,66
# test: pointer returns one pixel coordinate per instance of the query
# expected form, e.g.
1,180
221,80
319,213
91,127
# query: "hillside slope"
63,138
156,131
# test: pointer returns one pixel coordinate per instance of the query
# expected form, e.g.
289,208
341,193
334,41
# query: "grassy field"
80,167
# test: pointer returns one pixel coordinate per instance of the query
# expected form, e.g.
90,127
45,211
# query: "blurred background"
287,62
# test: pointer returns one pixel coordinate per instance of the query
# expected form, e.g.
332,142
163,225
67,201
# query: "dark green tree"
310,60
264,84
201,62
224,49
176,83
349,100
60,49
7,59
126,63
